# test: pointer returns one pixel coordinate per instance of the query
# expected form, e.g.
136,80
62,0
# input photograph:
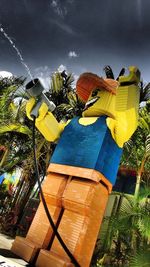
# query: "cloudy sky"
83,35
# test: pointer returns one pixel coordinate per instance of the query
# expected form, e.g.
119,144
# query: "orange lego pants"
77,207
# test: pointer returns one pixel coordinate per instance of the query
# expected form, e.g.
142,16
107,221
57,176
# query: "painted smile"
91,102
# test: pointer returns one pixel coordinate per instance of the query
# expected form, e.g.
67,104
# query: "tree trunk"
17,193
138,178
24,201
4,158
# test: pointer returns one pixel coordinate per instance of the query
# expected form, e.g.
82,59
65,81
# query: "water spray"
17,50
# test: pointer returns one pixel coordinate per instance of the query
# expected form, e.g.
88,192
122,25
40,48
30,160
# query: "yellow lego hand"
43,109
45,122
132,78
29,106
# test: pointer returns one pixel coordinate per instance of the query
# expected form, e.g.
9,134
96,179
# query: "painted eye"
95,92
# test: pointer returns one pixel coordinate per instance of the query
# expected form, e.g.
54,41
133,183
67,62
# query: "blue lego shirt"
90,146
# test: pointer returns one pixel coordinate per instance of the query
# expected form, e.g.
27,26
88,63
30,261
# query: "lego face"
100,102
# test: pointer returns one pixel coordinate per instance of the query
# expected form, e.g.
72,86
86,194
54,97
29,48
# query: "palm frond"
144,225
144,92
121,73
129,145
140,259
147,145
56,82
69,80
143,123
16,128
144,193
65,108
108,72
72,97
21,94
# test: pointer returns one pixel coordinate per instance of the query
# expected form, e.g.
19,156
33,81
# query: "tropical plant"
13,132
16,143
125,234
141,258
137,150
64,96
144,91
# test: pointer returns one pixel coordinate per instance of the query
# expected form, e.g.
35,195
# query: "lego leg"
84,204
40,231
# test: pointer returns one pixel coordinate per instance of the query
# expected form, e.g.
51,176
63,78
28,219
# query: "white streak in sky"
17,51
63,26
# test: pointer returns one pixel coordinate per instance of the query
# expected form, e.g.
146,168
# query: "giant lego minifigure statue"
82,170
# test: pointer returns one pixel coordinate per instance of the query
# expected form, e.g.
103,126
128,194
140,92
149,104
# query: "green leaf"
147,144
15,128
140,259
144,225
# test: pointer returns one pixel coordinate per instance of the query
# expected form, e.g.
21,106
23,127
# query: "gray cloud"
102,32
72,54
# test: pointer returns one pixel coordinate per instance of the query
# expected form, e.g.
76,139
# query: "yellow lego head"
99,95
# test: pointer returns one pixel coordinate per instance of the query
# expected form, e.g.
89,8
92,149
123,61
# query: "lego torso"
89,146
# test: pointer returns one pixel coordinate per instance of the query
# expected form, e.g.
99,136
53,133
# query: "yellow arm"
127,104
46,122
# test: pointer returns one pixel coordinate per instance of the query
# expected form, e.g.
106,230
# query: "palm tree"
64,96
144,91
10,122
109,72
125,234
16,141
137,150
